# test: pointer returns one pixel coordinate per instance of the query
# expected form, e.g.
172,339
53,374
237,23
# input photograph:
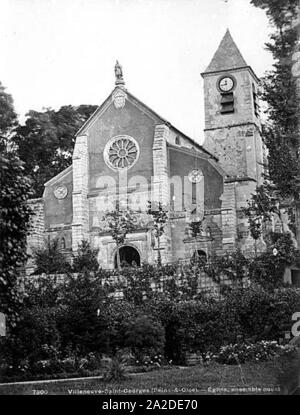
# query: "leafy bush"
64,323
82,320
268,268
34,338
144,333
195,326
251,352
50,259
15,215
252,314
115,369
261,314
85,258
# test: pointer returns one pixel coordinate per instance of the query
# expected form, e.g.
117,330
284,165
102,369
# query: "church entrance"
199,256
129,257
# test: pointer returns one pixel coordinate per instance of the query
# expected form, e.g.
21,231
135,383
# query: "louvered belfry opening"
227,102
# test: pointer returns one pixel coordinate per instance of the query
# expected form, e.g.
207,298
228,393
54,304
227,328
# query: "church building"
127,152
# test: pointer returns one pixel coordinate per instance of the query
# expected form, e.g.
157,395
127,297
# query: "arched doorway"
199,256
129,257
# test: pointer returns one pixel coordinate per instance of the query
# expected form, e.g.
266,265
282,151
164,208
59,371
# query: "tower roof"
227,56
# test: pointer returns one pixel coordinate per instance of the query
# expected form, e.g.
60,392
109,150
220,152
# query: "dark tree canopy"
278,11
278,90
45,143
15,190
14,211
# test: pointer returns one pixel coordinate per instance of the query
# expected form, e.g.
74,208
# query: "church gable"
129,119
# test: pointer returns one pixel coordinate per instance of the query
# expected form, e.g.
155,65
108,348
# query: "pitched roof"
227,56
148,111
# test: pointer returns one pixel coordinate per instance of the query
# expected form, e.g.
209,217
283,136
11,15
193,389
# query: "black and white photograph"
149,200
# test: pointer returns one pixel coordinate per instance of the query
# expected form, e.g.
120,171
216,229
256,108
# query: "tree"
120,222
83,323
196,228
281,131
8,118
260,208
85,258
15,213
45,143
50,259
159,217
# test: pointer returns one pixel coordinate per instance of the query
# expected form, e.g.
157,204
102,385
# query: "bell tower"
233,135
232,123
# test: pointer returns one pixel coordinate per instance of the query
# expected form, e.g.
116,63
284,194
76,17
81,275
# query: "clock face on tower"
226,84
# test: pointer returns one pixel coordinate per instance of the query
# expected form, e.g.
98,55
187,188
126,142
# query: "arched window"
177,140
63,243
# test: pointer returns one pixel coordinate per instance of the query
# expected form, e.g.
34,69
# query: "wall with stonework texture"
239,150
183,246
243,100
36,237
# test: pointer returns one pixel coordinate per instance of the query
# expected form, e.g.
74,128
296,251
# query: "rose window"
195,176
121,152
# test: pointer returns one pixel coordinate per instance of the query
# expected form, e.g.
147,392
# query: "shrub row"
78,318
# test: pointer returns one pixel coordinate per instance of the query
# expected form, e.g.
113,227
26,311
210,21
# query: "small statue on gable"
118,73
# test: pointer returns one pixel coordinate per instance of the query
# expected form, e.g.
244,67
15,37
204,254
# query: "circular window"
60,192
121,152
195,176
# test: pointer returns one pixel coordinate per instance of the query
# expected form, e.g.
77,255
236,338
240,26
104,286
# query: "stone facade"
127,152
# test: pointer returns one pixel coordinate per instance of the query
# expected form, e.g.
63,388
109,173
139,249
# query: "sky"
60,52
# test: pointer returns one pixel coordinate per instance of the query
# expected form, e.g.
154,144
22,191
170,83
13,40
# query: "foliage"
250,352
159,217
195,227
176,282
41,291
8,119
269,267
45,143
281,132
195,326
15,216
65,323
50,259
85,258
205,325
35,337
115,369
232,265
120,222
82,321
278,11
260,208
143,333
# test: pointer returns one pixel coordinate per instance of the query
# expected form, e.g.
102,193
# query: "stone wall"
37,231
80,225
